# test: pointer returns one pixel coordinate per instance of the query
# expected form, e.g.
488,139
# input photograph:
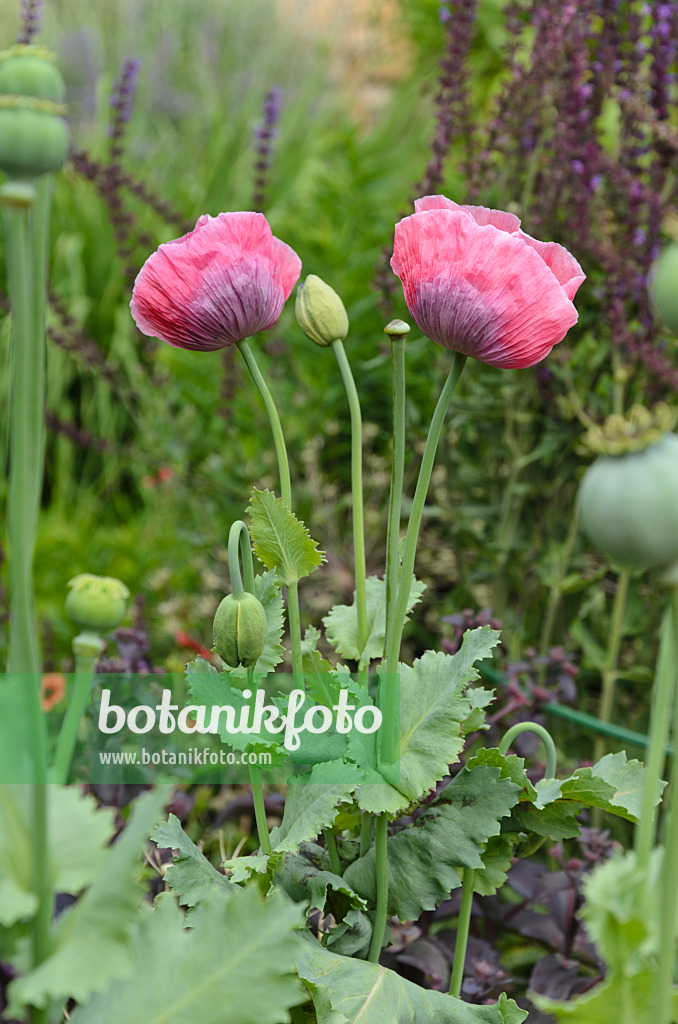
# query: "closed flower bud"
33,134
320,312
664,286
97,603
240,630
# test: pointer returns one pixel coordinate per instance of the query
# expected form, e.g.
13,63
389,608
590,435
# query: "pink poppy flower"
475,283
219,284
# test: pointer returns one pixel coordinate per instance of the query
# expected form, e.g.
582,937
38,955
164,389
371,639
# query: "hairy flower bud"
320,312
33,134
97,603
240,630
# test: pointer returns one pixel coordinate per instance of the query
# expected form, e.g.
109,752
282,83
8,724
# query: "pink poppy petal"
478,290
222,282
481,214
561,262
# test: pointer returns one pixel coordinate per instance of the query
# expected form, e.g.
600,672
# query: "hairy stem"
462,932
382,890
397,477
543,734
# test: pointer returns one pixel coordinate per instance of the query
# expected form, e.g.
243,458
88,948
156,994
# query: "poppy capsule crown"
475,283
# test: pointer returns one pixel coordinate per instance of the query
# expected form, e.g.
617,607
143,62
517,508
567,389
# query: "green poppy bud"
320,312
33,134
240,630
97,603
664,286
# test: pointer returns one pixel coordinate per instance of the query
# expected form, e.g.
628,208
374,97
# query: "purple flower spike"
31,20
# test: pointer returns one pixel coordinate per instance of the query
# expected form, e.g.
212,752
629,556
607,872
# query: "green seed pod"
320,312
30,72
240,630
664,286
628,499
97,603
33,134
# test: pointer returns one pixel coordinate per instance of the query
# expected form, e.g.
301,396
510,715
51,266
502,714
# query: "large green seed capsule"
240,630
628,505
26,74
31,142
33,134
97,603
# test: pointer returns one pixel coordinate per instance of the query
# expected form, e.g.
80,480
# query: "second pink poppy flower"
475,283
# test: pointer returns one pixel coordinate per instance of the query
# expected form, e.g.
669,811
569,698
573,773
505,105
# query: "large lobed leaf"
424,859
78,835
190,876
235,963
91,940
280,540
349,991
312,801
341,623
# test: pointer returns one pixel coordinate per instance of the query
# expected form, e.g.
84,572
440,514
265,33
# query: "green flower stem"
462,932
366,823
382,890
332,849
609,676
543,734
260,810
274,419
357,493
387,699
286,494
239,539
397,476
87,649
254,772
669,882
660,718
25,435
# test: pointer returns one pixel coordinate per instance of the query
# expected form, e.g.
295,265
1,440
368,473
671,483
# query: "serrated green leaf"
304,879
352,937
341,623
190,876
312,801
423,859
280,540
78,834
235,963
91,940
602,1004
479,698
241,869
433,707
512,767
322,682
497,858
350,990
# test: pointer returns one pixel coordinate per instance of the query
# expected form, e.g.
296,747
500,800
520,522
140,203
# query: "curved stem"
239,538
543,734
274,420
663,693
669,878
357,493
382,890
286,494
397,476
462,931
610,668
387,701
87,648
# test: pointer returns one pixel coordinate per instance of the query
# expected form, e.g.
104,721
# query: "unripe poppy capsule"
240,630
33,134
97,603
